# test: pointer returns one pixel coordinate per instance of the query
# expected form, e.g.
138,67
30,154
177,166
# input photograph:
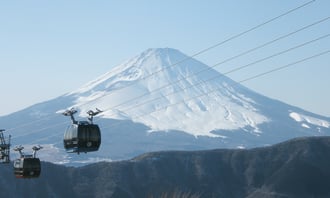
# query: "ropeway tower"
4,147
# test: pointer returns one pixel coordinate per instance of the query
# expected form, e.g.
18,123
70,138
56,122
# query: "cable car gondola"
82,136
27,166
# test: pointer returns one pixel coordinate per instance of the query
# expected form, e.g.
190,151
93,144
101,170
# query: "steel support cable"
206,49
249,30
41,129
279,53
285,66
213,46
230,38
231,71
238,83
229,59
234,70
32,122
202,82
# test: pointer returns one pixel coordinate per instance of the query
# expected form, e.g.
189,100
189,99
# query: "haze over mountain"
163,100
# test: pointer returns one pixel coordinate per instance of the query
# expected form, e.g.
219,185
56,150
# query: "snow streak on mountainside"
160,90
305,120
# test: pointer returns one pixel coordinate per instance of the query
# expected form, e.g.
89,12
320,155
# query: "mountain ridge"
294,168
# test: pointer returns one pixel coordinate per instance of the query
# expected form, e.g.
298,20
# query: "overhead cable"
231,71
238,83
232,58
217,44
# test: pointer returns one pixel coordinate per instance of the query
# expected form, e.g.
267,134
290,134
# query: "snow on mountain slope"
170,84
309,120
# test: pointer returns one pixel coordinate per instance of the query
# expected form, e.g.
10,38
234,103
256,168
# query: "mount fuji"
163,100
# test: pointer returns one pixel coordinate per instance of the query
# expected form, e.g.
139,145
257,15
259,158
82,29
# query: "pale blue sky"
49,48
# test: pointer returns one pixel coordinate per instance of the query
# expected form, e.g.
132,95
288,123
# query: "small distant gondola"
27,166
82,136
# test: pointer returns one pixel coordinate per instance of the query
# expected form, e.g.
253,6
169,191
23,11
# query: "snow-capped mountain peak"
166,90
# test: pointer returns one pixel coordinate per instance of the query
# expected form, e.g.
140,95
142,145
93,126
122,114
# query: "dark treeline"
296,168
